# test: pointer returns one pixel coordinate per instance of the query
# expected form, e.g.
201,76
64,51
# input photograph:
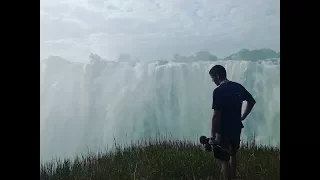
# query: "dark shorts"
231,143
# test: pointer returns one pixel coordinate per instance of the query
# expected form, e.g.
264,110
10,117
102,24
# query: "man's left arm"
250,103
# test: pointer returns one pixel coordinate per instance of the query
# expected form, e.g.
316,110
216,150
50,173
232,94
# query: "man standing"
227,118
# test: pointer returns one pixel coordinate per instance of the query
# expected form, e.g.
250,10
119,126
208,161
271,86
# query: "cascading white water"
87,106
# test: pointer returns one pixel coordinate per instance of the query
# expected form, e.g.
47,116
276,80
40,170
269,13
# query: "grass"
163,160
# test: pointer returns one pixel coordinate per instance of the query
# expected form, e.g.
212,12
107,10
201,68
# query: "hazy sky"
154,29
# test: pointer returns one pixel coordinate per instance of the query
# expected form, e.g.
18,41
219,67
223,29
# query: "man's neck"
224,81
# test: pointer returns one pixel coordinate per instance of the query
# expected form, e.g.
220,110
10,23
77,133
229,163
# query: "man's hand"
211,140
215,139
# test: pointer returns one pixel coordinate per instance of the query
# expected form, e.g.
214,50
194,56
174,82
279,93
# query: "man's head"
218,74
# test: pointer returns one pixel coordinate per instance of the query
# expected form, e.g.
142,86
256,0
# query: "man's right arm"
250,103
216,106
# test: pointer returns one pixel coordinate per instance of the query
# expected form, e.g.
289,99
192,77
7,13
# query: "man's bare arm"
248,109
215,122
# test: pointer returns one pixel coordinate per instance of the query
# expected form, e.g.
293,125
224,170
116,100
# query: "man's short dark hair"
218,70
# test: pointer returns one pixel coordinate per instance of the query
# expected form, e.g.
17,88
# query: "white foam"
87,106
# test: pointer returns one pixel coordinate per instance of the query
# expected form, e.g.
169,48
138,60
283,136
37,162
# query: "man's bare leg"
225,169
233,166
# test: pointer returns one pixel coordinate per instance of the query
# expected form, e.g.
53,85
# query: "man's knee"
224,165
225,169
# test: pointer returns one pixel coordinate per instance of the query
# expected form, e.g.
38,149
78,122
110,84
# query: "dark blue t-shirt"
228,98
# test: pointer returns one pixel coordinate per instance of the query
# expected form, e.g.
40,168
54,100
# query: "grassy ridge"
163,160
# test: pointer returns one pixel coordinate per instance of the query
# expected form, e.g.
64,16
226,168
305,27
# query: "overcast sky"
154,29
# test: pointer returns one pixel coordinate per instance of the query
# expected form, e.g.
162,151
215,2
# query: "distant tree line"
243,54
254,55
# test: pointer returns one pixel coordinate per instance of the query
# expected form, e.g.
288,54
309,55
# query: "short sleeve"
216,101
